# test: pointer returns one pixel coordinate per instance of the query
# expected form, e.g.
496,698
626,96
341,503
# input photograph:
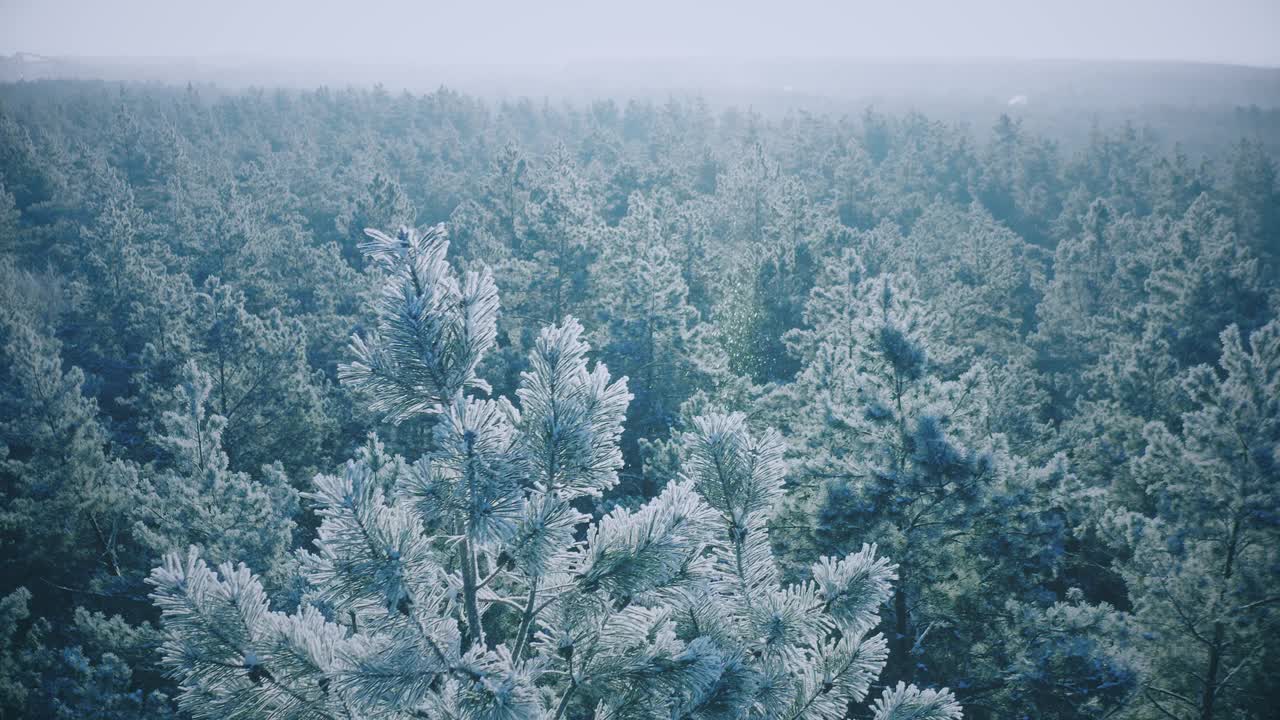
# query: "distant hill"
1055,82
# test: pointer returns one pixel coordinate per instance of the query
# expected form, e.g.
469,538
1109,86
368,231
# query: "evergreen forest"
347,404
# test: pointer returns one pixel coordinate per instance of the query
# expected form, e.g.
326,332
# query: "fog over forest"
653,361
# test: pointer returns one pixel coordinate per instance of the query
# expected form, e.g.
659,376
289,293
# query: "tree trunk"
475,633
1211,674
901,647
1209,695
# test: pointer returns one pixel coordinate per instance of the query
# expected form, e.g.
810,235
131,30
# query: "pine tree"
893,450
980,276
470,591
64,531
1097,275
1029,572
508,192
559,245
746,202
120,272
550,222
980,282
1205,280
10,216
1255,193
192,497
381,203
647,328
1019,181
1200,281
263,387
42,677
60,508
1200,567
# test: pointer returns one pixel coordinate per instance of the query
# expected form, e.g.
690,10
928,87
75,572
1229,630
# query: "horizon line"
545,63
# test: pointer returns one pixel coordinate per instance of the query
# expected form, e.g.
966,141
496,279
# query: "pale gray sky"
480,31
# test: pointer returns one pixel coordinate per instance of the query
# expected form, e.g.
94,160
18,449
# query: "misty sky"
552,31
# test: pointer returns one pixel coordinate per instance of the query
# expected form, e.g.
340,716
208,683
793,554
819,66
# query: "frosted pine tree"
645,324
1201,565
476,588
890,446
893,449
192,495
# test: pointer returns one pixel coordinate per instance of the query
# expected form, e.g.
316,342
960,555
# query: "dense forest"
630,410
